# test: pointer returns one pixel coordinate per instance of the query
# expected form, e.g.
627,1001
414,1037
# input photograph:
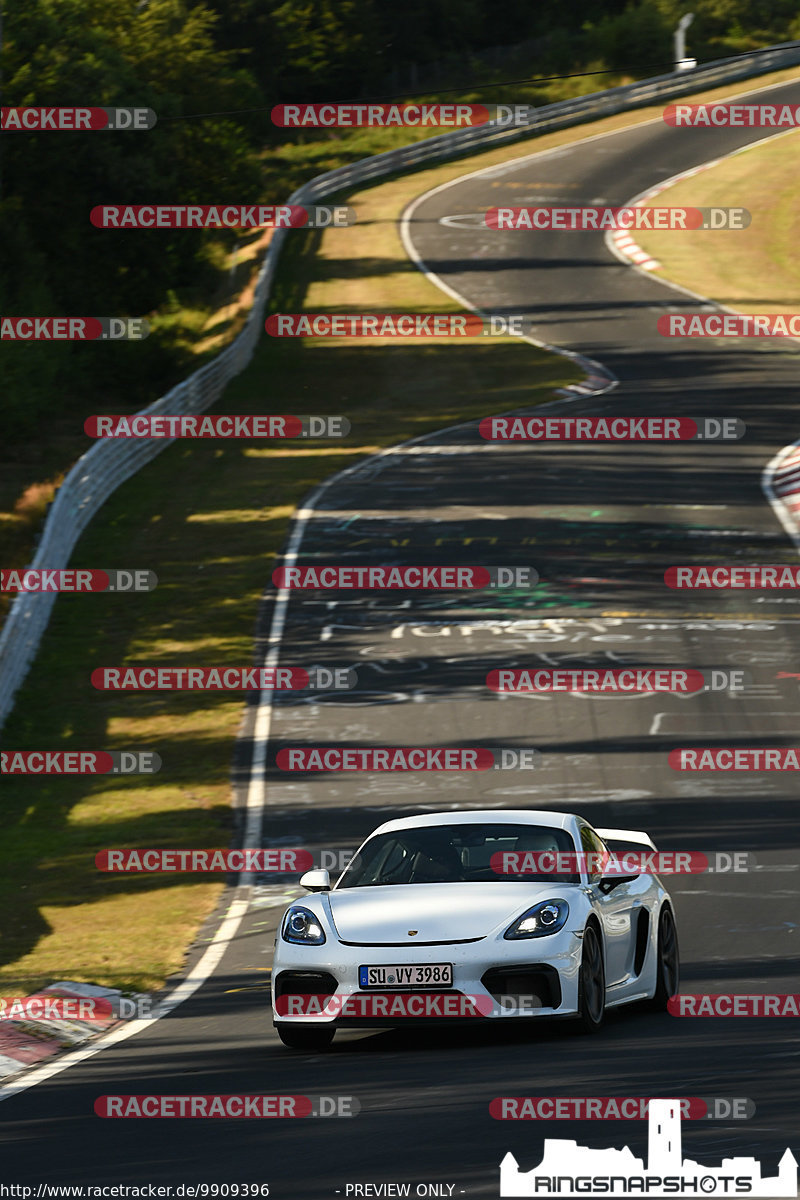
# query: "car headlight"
548,916
302,927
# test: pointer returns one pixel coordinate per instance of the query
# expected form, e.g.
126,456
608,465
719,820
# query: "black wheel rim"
593,981
669,954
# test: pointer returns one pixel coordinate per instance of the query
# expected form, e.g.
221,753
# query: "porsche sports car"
489,914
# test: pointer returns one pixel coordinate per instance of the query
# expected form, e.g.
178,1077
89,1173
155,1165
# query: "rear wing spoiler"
638,836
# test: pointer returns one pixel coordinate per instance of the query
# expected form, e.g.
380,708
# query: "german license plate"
405,975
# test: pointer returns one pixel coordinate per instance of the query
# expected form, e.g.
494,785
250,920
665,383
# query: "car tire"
305,1037
668,971
591,983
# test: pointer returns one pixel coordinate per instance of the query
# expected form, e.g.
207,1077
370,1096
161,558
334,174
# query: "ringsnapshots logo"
162,425
259,1107
221,216
396,326
611,429
407,758
567,1169
73,329
635,217
79,762
615,1108
223,679
335,577
42,119
69,580
407,116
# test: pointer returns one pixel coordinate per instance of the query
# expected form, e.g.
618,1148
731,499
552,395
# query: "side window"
592,844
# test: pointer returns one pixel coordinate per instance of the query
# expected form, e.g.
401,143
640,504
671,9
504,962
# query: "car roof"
471,816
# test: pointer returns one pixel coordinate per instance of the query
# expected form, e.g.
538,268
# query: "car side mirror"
609,882
316,881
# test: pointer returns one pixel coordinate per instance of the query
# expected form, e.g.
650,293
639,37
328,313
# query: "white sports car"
462,914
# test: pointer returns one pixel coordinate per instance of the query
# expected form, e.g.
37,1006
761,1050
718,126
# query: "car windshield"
461,853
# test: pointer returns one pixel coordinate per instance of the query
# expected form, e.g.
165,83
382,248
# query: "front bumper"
533,977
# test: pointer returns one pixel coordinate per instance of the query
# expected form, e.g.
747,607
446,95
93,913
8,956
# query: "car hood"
440,912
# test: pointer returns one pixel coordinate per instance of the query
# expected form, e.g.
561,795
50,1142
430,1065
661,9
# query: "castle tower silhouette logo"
568,1169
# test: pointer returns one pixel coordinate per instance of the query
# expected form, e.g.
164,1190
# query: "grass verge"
753,270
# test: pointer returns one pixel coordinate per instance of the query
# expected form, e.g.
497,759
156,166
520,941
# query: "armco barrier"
107,464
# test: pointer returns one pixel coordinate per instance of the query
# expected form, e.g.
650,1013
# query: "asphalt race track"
600,524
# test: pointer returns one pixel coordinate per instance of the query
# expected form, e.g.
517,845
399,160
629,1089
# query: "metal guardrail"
107,464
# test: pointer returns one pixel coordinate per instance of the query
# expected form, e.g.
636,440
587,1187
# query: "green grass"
753,270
